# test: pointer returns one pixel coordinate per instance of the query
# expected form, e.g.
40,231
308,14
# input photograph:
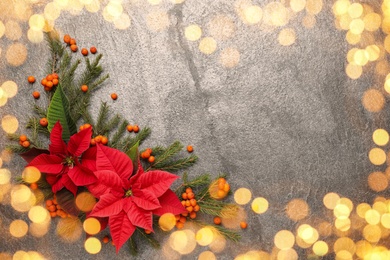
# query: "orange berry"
243,225
188,203
193,215
183,202
217,220
36,94
184,195
177,217
26,144
67,38
190,149
73,47
52,208
196,208
193,202
72,41
191,195
148,231
226,187
183,219
44,82
43,122
93,49
98,138
149,150
221,183
114,96
190,209
34,186
146,154
55,82
47,89
55,75
22,138
49,203
49,77
87,125
136,128
151,159
112,243
221,194
55,199
106,239
104,140
53,214
93,142
49,84
188,190
84,51
179,225
81,128
31,79
184,214
84,88
129,128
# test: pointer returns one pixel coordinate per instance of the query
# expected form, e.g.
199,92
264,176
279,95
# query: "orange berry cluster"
133,128
99,139
147,155
23,141
223,188
191,205
71,42
84,126
50,81
55,209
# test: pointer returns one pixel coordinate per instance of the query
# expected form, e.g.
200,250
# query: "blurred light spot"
372,22
372,217
363,248
2,29
345,22
6,155
297,209
373,52
5,176
362,208
325,229
287,37
344,255
355,10
314,6
229,57
18,228
382,67
309,21
157,21
10,88
385,220
204,236
51,11
221,27
218,244
154,2
344,243
287,254
92,245
31,174
353,38
242,196
377,156
372,233
114,8
233,221
33,255
275,14
207,255
86,2
20,255
284,239
330,200
341,211
177,1
91,226
38,214
259,205
377,181
123,22
297,5
343,224
40,229
16,54
10,124
183,241
320,248
253,14
36,22
361,57
373,100
380,206
353,71
85,201
193,32
207,45
93,7
61,3
69,229
5,256
74,7
356,26
21,198
167,221
13,30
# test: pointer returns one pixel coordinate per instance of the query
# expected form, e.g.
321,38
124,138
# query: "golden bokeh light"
297,209
344,255
287,37
363,248
38,214
361,57
242,196
157,21
9,124
5,256
36,22
380,206
372,22
309,21
35,36
356,26
344,243
287,254
183,241
355,10
330,200
2,29
372,233
5,176
193,32
347,202
69,229
353,39
253,14
21,198
297,5
342,224
51,11
16,54
380,137
373,52
325,229
13,30
341,211
373,100
6,155
93,7
372,217
85,201
167,221
259,205
362,208
91,226
31,174
92,245
314,6
207,255
378,181
354,71
320,248
377,156
385,220
122,22
40,229
10,88
204,236
229,57
20,255
284,239
18,228
221,27
276,14
207,45
218,244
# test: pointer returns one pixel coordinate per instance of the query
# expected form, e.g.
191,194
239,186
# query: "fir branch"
92,71
13,137
98,82
112,124
120,132
149,238
65,62
179,164
40,111
229,234
86,116
172,150
157,150
128,142
16,148
102,117
201,180
133,247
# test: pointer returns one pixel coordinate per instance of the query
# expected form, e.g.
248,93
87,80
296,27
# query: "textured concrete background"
286,122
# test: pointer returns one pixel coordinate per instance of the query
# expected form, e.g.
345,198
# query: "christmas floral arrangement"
131,186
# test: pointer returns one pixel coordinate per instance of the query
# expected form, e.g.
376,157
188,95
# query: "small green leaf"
59,110
133,154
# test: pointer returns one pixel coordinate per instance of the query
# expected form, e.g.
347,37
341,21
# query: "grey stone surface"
285,123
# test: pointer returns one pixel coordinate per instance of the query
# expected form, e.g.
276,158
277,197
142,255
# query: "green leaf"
59,110
133,154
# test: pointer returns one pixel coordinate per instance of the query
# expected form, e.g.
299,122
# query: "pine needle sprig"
111,124
129,141
18,149
133,248
180,164
149,238
227,233
171,151
36,128
120,131
102,117
40,111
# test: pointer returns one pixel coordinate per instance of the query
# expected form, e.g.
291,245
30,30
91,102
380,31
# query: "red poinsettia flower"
62,165
130,201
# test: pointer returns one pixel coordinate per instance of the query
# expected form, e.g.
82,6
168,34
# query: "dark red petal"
107,205
51,164
114,160
58,185
121,229
157,182
88,159
68,183
81,176
57,145
170,203
80,142
141,218
144,199
33,153
51,179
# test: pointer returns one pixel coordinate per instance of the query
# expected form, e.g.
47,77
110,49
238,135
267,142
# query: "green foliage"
126,143
227,233
133,154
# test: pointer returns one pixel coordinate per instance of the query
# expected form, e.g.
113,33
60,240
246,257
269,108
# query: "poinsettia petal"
140,217
68,183
107,181
51,164
33,153
88,159
81,176
170,203
157,182
57,145
79,142
114,160
121,229
145,199
107,205
57,186
51,179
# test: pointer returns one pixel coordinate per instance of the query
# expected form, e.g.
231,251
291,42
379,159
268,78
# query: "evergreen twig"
229,234
149,238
